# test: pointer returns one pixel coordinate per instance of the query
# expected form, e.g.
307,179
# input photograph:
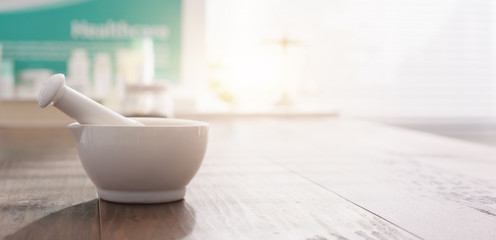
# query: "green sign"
46,36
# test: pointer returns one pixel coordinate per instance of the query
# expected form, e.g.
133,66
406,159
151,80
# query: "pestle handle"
77,106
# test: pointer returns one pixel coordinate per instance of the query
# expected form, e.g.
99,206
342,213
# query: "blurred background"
424,64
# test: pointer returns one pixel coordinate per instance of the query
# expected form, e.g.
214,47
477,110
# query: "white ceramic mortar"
142,164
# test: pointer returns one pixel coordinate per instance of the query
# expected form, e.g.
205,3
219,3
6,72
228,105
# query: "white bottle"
147,62
7,79
78,68
102,75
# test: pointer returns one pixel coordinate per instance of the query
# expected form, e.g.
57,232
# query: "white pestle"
77,106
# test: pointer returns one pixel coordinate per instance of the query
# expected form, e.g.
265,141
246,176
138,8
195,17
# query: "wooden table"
264,178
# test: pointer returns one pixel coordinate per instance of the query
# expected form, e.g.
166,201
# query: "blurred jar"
150,100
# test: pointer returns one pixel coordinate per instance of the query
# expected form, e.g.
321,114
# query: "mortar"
142,164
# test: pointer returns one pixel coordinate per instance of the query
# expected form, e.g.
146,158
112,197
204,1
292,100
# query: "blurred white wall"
383,59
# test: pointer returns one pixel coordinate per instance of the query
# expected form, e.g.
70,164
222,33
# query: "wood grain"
151,221
434,187
40,174
247,197
265,178
75,222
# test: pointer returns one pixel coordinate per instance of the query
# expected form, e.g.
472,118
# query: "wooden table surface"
264,178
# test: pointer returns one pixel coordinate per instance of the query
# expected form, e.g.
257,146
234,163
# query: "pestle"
77,106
